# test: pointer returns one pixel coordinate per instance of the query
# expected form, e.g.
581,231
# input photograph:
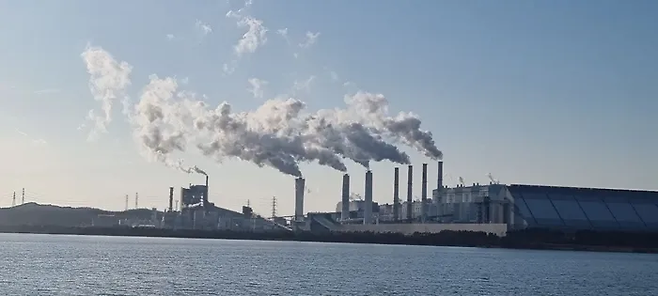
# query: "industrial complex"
493,208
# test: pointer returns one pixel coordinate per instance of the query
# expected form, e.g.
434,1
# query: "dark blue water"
86,265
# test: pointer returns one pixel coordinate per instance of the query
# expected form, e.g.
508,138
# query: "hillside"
39,214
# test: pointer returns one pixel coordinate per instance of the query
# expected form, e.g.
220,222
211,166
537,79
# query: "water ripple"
86,265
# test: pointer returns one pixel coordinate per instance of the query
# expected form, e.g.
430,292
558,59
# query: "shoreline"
445,239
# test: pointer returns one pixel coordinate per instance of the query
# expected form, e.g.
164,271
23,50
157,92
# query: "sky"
534,92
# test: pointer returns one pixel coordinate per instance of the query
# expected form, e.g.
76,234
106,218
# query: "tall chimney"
299,198
410,192
205,196
396,195
423,214
345,198
439,178
171,199
367,212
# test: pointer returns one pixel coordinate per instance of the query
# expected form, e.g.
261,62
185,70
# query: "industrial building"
494,208
567,208
197,212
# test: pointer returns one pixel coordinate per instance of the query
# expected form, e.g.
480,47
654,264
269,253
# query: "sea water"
34,264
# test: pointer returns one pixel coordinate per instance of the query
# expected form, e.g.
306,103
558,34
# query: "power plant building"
564,208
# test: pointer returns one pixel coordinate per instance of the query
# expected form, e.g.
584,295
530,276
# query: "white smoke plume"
108,81
405,127
278,134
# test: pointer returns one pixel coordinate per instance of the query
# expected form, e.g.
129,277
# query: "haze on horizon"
557,93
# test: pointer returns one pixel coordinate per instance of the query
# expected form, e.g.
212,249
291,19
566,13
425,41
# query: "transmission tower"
273,207
126,202
23,196
136,200
13,201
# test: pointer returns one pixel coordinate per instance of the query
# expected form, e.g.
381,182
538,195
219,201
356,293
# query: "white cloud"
303,84
256,87
253,38
108,81
229,69
256,35
284,33
36,142
311,38
170,36
185,80
47,91
334,75
203,27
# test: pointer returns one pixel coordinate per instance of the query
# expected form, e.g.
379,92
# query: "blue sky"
541,92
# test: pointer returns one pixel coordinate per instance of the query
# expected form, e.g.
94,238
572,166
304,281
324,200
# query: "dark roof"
578,190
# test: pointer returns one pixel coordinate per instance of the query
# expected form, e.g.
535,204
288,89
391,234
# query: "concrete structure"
563,208
417,210
396,195
194,195
345,198
367,215
299,198
439,177
171,199
423,214
410,177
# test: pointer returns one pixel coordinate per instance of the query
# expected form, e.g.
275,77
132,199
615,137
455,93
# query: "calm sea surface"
86,265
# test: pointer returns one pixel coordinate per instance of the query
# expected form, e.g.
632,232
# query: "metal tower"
273,207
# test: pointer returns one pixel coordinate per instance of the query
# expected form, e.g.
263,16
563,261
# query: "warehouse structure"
565,208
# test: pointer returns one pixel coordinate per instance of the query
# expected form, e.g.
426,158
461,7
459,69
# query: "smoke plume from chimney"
279,134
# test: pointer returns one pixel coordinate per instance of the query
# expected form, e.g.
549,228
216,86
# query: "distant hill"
40,214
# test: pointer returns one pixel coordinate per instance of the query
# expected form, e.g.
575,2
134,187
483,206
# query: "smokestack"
396,195
345,200
183,198
410,192
299,199
367,212
171,199
423,214
205,196
439,178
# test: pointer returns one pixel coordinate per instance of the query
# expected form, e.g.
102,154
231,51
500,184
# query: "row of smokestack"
345,198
